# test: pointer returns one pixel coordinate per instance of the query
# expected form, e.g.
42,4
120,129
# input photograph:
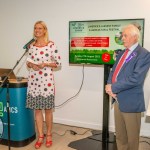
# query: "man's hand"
109,91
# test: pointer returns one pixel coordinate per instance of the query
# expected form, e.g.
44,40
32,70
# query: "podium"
22,126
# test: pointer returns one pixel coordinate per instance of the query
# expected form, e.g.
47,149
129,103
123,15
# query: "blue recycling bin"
22,125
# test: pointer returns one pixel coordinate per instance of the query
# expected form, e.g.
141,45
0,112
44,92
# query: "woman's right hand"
35,67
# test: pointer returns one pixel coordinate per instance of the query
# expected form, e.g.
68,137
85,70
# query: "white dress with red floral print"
41,89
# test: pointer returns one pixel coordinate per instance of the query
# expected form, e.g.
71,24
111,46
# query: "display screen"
97,42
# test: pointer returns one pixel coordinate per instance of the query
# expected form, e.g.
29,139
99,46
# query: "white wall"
16,26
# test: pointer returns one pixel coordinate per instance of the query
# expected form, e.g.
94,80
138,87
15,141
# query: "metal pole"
8,113
105,131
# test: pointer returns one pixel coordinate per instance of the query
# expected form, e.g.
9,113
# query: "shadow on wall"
147,97
147,118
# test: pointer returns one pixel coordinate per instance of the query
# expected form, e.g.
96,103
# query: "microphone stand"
5,80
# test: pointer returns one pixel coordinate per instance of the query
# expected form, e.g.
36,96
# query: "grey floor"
62,137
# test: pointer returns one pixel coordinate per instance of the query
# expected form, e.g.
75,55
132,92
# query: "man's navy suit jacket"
130,80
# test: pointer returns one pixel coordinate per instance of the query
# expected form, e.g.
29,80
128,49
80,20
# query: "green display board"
95,42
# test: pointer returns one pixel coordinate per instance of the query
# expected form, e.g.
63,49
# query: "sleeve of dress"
29,57
55,55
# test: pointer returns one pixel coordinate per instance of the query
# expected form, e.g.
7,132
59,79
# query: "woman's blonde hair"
46,37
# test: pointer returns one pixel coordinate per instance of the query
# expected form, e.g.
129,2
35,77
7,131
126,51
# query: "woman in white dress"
43,56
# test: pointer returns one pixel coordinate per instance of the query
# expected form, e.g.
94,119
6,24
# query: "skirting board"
145,133
77,123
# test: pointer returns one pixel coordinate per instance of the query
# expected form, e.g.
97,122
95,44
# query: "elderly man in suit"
125,86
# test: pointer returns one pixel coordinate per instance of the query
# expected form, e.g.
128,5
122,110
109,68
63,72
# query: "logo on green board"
1,109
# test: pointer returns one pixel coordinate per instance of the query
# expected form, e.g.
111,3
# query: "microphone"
26,46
